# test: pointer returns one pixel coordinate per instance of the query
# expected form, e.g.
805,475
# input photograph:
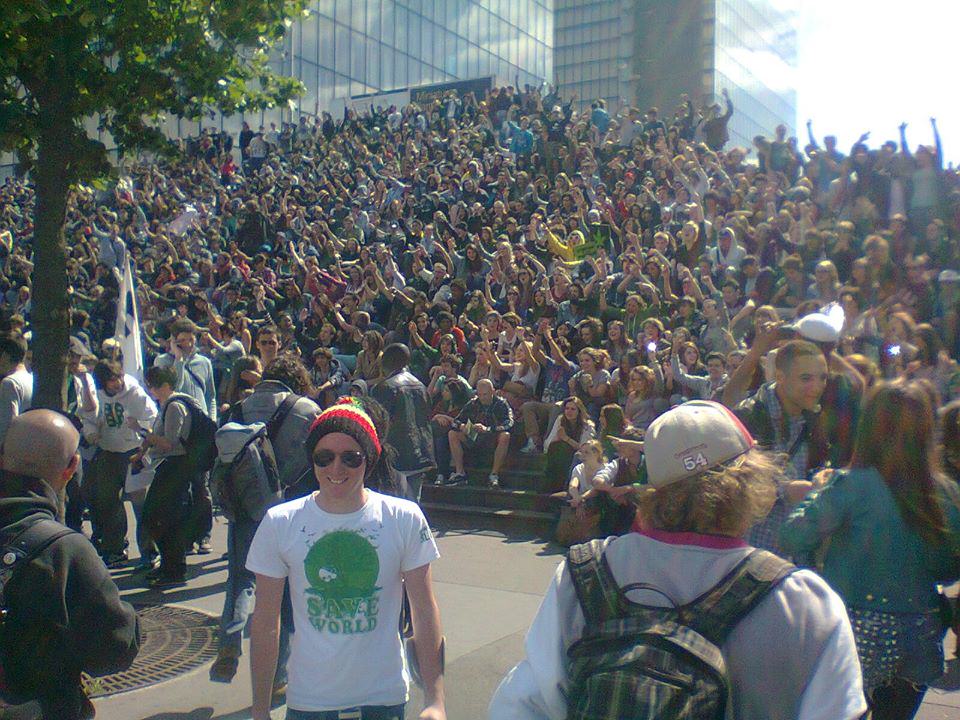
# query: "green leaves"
129,61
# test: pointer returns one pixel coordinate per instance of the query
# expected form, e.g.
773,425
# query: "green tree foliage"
126,63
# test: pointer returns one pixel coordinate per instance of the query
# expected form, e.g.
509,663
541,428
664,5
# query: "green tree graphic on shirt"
342,568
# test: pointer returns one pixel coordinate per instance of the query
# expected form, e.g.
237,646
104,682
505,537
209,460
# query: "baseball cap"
691,439
949,276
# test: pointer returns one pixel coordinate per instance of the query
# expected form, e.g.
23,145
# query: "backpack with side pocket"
200,443
640,662
15,553
245,481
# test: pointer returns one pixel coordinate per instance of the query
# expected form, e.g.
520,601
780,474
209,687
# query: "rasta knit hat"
347,416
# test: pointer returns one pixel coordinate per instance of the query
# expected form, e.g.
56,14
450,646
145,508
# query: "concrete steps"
518,505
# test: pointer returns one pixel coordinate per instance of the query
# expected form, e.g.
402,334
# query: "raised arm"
738,386
810,137
726,96
536,350
904,148
938,158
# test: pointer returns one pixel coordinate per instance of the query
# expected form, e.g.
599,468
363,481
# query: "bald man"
483,422
65,615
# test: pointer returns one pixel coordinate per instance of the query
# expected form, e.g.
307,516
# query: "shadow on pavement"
169,595
552,549
951,680
133,578
204,713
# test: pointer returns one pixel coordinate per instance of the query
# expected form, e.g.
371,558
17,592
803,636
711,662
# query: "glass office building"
647,53
593,47
755,58
347,48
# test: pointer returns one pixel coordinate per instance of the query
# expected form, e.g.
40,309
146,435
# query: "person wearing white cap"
807,413
708,483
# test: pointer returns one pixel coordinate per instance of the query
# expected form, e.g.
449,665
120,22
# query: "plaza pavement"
489,587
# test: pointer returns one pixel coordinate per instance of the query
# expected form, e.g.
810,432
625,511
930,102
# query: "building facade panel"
756,60
646,53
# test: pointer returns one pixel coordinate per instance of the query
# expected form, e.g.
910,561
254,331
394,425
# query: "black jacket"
65,613
405,400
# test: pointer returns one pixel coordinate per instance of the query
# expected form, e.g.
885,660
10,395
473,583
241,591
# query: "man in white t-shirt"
790,656
348,553
16,387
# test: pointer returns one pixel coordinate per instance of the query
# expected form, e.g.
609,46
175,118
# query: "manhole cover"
173,641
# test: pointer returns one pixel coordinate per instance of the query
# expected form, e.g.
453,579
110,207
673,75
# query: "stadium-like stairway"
522,503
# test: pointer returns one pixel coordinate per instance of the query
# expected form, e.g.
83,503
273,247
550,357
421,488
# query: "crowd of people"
537,278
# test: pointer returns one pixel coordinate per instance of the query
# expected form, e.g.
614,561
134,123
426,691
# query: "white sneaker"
494,480
530,448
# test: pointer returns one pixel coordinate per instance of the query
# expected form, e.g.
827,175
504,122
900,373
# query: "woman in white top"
572,428
580,487
524,374
580,522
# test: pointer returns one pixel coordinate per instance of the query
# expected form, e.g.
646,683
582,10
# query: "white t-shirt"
344,575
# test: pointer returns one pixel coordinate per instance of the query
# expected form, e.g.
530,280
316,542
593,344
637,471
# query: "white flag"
127,330
183,221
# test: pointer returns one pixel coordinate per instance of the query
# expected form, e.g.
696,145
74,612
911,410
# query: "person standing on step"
485,421
405,400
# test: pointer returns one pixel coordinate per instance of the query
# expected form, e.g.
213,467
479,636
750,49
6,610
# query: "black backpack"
15,553
639,662
200,444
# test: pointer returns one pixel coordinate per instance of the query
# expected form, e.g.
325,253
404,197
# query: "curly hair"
288,369
726,500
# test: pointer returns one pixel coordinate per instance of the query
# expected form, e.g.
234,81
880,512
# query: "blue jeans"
378,712
441,447
240,591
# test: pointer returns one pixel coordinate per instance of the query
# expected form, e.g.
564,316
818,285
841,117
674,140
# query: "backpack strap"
25,546
182,399
597,590
715,613
193,376
188,405
280,414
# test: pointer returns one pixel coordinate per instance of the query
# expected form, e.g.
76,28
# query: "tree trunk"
50,314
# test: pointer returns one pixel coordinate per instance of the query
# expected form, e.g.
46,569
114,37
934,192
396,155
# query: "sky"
868,66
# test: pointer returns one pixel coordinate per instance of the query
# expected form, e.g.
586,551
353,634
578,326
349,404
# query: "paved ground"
489,587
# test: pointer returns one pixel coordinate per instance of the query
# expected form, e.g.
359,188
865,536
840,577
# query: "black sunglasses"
351,458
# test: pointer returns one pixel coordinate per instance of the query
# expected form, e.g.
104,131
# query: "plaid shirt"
789,436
